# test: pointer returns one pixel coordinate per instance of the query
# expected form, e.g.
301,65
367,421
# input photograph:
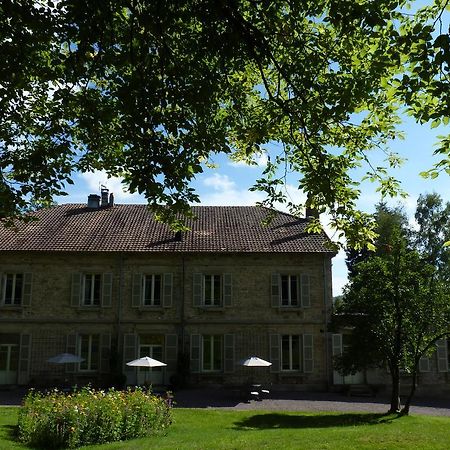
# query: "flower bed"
57,420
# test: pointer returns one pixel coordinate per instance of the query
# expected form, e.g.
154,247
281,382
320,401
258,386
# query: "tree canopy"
150,90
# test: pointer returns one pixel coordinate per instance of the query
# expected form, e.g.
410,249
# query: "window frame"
89,359
291,353
290,303
214,340
153,276
93,276
14,296
213,289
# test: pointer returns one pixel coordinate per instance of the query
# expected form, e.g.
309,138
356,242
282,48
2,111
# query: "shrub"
57,420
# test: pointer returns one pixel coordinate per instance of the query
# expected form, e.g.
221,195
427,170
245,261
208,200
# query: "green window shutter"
129,352
71,347
336,344
76,289
227,290
229,353
107,279
442,355
136,295
27,287
171,352
308,353
168,290
195,353
424,364
24,358
276,290
305,291
198,289
105,353
275,352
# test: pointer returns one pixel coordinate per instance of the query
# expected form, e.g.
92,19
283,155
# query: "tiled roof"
131,228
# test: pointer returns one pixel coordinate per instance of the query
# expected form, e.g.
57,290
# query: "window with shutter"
12,289
212,290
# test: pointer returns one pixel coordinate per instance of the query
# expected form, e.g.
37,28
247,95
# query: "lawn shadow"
10,432
280,420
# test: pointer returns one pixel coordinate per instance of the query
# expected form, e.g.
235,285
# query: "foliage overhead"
151,90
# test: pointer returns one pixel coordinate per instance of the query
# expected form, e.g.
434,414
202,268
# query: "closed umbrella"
65,358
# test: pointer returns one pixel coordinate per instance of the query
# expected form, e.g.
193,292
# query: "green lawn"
218,429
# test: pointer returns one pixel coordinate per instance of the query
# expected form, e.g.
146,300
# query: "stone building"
110,284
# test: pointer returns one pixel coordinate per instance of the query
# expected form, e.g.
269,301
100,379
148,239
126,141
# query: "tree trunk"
405,410
395,394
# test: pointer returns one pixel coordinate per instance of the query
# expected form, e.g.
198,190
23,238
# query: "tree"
433,218
397,308
151,90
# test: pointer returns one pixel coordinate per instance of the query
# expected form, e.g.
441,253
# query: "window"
212,353
289,290
448,353
91,289
89,349
152,290
290,352
212,290
12,289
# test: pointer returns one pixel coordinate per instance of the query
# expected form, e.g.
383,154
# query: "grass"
223,429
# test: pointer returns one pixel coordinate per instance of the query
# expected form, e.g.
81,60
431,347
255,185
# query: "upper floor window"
213,290
15,289
12,289
152,290
290,290
92,288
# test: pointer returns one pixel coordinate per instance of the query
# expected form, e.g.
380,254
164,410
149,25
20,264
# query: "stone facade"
203,341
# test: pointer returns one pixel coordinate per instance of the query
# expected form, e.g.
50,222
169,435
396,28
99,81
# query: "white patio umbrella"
254,361
146,361
65,358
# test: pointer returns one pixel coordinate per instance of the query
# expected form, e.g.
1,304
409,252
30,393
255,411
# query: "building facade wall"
248,318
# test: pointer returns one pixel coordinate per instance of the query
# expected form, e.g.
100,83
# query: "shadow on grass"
278,420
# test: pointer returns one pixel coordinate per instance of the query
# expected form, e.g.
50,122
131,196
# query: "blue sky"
228,184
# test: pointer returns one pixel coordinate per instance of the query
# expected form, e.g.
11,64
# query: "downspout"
182,311
325,300
119,311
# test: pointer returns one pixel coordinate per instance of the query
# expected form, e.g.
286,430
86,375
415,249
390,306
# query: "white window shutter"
275,352
308,353
275,290
107,283
167,290
442,355
198,289
136,295
76,289
305,291
129,351
195,353
27,288
229,353
227,290
171,351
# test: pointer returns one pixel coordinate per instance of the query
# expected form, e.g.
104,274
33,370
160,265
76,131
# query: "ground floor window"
212,353
291,352
89,350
